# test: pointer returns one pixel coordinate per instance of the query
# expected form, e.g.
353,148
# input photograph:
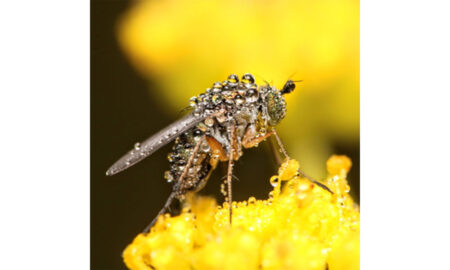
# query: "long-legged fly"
229,116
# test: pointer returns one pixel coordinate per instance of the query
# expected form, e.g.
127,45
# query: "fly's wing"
152,144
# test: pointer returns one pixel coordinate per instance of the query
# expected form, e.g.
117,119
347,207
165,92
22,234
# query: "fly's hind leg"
179,188
162,211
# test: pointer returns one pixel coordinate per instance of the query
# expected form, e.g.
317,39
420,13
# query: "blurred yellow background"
184,46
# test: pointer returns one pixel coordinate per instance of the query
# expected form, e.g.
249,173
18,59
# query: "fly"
229,116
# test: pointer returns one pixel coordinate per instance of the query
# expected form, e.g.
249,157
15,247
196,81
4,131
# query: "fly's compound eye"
276,106
248,79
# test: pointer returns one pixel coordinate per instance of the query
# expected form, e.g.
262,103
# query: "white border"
44,110
405,182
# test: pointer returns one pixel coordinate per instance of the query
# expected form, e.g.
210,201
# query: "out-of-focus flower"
185,45
300,226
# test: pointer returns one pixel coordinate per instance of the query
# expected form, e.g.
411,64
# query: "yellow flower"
184,46
300,226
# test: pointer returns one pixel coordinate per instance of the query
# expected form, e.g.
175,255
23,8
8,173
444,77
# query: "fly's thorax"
225,99
233,98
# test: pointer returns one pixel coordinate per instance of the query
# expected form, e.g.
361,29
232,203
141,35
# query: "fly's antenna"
292,75
162,211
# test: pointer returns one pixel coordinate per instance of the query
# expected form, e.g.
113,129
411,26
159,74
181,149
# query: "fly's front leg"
252,138
280,144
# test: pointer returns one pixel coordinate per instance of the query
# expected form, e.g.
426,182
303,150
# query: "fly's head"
273,102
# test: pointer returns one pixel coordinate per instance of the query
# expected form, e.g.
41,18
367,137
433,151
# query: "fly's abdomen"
196,175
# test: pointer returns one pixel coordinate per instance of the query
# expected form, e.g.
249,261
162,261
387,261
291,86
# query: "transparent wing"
152,144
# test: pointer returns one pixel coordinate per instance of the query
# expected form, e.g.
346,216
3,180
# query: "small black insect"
229,116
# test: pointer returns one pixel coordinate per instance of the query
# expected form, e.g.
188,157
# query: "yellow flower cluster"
300,226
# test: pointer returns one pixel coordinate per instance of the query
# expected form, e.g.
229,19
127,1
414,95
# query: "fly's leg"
220,154
275,152
280,144
162,211
180,186
229,178
231,155
283,150
252,138
255,140
314,181
179,189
